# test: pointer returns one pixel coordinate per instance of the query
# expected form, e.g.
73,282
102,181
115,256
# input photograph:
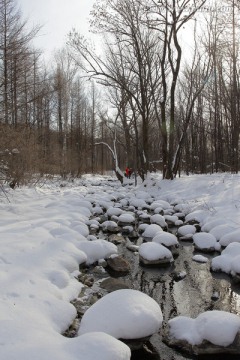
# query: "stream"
198,291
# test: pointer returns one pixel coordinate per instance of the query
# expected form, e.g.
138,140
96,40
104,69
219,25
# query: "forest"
158,90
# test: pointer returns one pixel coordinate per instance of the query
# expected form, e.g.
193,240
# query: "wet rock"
112,284
144,218
117,239
147,352
126,230
177,276
99,269
86,280
205,348
133,235
215,296
118,264
136,344
72,330
159,262
236,278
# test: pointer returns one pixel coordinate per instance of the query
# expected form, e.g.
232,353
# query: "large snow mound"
124,314
217,327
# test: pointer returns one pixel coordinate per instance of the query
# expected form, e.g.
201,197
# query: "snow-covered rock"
160,203
150,231
220,230
171,219
110,226
159,220
168,240
125,219
196,216
230,237
153,253
205,242
200,258
211,332
100,346
186,232
229,260
97,249
124,314
114,211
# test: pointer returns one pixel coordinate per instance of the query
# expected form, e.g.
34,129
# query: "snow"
109,225
138,203
114,211
151,231
125,314
220,230
200,258
44,238
126,218
153,251
159,220
100,346
230,237
166,239
186,230
226,261
217,327
97,249
204,240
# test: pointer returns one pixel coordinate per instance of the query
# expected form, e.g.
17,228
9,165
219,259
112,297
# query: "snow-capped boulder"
220,230
110,226
152,253
100,346
230,237
144,217
97,210
228,261
97,249
114,211
160,203
151,231
142,228
200,258
159,220
212,332
205,242
138,203
210,224
123,314
186,232
168,240
171,220
126,219
196,216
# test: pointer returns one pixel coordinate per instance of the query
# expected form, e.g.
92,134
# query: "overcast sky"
57,17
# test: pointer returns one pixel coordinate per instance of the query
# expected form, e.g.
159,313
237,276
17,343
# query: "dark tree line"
147,101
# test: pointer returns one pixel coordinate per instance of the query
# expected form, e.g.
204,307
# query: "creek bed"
189,296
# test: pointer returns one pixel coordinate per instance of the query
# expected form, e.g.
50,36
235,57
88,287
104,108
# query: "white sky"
57,17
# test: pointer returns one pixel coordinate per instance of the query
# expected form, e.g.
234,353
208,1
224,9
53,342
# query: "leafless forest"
159,91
